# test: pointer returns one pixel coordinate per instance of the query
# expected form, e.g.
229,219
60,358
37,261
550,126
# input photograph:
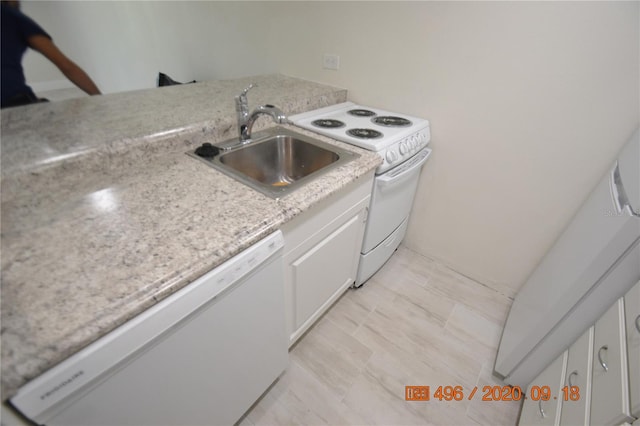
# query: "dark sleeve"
27,27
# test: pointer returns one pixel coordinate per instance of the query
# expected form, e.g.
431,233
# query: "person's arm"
69,68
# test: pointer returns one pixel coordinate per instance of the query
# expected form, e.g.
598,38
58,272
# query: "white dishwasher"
201,356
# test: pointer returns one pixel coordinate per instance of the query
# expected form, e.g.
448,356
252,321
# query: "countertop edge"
122,154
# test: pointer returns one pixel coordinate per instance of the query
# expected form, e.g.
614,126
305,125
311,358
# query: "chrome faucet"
246,119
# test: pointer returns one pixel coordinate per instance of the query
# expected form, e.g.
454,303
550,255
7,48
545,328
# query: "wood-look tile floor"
415,322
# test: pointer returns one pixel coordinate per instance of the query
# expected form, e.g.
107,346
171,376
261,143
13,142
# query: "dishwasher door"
201,356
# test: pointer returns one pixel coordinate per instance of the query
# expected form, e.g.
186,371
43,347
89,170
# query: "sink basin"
279,161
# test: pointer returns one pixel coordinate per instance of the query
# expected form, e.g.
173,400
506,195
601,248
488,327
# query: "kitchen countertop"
103,214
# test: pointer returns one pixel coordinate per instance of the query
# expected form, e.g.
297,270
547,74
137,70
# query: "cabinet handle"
602,363
573,373
638,323
619,194
542,412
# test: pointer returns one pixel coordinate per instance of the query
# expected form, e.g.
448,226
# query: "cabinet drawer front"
610,388
309,227
545,412
632,314
579,365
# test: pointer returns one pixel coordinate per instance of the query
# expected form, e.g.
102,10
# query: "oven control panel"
404,149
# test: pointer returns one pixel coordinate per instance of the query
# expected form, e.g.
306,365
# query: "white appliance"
595,261
401,140
201,356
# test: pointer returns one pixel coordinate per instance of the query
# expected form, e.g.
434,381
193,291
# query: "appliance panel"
392,200
593,262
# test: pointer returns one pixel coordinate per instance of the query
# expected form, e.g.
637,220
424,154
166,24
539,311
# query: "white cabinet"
605,365
610,383
326,268
575,411
632,315
322,249
539,412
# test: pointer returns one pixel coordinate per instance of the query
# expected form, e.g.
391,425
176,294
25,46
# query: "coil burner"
364,133
327,123
360,112
391,121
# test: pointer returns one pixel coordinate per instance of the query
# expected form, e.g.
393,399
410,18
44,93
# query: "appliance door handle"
543,414
400,173
391,240
620,198
602,363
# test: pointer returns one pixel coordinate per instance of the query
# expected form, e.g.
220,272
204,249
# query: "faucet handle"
251,86
242,105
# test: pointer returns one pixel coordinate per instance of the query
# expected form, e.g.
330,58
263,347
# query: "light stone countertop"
103,214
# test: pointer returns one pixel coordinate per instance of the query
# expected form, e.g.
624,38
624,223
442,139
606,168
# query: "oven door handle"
405,170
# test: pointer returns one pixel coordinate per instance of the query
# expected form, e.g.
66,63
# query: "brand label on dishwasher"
62,384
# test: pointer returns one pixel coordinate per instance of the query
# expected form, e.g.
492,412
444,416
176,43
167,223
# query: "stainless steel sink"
278,161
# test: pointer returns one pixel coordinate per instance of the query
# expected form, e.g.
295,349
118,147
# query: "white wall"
123,45
528,101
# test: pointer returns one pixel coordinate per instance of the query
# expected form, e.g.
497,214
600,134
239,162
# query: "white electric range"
401,140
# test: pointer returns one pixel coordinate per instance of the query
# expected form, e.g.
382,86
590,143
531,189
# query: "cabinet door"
545,412
632,314
327,269
579,362
610,383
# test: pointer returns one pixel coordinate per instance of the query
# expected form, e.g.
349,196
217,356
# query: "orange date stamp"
489,393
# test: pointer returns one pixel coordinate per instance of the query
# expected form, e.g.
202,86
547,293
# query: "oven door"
392,198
